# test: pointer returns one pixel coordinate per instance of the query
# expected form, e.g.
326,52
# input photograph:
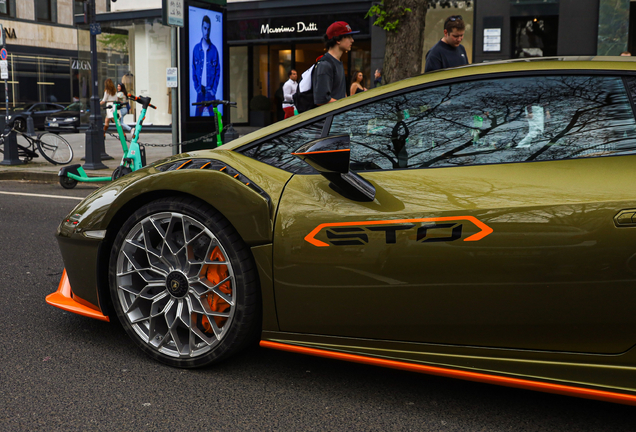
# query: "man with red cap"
329,83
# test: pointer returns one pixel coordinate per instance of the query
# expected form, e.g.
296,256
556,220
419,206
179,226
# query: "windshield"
76,106
23,108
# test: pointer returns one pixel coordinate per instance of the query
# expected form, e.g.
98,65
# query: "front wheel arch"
113,228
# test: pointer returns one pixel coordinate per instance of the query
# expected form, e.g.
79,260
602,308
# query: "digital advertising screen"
205,59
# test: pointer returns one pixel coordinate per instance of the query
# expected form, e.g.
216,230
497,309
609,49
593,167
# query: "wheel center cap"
177,284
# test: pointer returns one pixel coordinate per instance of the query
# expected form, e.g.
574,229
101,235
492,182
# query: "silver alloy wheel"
175,285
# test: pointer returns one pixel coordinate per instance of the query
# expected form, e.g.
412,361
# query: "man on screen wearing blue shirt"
205,66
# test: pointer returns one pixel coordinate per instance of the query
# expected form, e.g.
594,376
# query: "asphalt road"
61,371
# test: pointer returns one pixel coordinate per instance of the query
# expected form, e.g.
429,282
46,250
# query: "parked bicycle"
52,147
218,124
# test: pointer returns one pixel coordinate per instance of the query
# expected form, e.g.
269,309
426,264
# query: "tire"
120,171
67,183
176,305
55,149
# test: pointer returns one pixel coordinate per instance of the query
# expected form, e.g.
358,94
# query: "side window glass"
278,151
492,121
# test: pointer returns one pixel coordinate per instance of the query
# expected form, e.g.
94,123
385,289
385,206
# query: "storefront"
507,29
43,65
267,39
133,49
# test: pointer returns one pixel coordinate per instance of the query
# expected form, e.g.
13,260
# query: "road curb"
29,175
45,177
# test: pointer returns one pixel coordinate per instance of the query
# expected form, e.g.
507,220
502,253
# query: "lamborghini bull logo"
442,229
174,285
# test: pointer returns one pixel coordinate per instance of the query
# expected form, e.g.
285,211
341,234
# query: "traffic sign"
4,69
3,54
172,79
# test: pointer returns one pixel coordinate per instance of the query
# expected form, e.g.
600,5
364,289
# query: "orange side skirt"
466,375
63,299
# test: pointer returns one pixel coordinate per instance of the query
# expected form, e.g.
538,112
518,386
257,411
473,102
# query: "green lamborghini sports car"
476,223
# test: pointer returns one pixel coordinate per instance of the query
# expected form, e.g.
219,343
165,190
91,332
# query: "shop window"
534,37
137,55
54,81
361,62
25,73
492,121
239,84
46,10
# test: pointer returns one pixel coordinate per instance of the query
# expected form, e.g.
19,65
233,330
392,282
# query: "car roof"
542,64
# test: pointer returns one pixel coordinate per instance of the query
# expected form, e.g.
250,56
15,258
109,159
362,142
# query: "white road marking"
41,195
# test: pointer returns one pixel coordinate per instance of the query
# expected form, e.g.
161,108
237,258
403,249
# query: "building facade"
42,45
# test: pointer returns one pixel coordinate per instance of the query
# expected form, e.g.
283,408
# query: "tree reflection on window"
492,121
278,151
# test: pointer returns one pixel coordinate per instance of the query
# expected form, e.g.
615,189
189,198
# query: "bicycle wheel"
54,148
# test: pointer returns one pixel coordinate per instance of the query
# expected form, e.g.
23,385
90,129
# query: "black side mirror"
330,156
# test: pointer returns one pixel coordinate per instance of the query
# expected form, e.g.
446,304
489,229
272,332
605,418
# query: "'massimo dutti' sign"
299,28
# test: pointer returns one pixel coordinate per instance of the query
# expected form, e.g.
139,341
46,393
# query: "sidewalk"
41,170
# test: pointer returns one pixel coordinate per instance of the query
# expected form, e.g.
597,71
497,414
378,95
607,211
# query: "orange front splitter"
63,299
561,389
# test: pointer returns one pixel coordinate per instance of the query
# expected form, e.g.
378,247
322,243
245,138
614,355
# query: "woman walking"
356,83
110,95
125,107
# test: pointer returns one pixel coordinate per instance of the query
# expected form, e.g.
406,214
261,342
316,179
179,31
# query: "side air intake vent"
214,165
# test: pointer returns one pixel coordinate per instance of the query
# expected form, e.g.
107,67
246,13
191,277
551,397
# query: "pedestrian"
110,96
377,78
289,89
125,107
448,52
356,83
329,83
206,69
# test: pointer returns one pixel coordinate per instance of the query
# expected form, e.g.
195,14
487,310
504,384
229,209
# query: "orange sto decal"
354,233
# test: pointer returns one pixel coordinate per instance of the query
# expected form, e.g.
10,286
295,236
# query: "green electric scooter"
218,117
134,156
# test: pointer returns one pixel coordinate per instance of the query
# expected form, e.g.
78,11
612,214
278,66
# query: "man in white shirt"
289,89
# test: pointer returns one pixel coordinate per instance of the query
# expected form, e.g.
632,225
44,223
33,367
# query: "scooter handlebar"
141,100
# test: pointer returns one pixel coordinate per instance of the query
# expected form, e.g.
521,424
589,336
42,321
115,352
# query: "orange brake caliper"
215,274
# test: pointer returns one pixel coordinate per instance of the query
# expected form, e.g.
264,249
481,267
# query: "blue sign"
96,29
3,54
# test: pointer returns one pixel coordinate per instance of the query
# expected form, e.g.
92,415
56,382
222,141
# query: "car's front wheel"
184,284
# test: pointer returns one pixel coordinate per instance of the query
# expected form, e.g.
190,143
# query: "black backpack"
304,101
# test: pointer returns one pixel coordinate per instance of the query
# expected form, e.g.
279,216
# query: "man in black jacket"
448,52
329,83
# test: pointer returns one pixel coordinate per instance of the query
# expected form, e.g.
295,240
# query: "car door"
502,218
38,113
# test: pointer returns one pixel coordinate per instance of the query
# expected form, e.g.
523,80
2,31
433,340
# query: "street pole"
175,105
94,142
